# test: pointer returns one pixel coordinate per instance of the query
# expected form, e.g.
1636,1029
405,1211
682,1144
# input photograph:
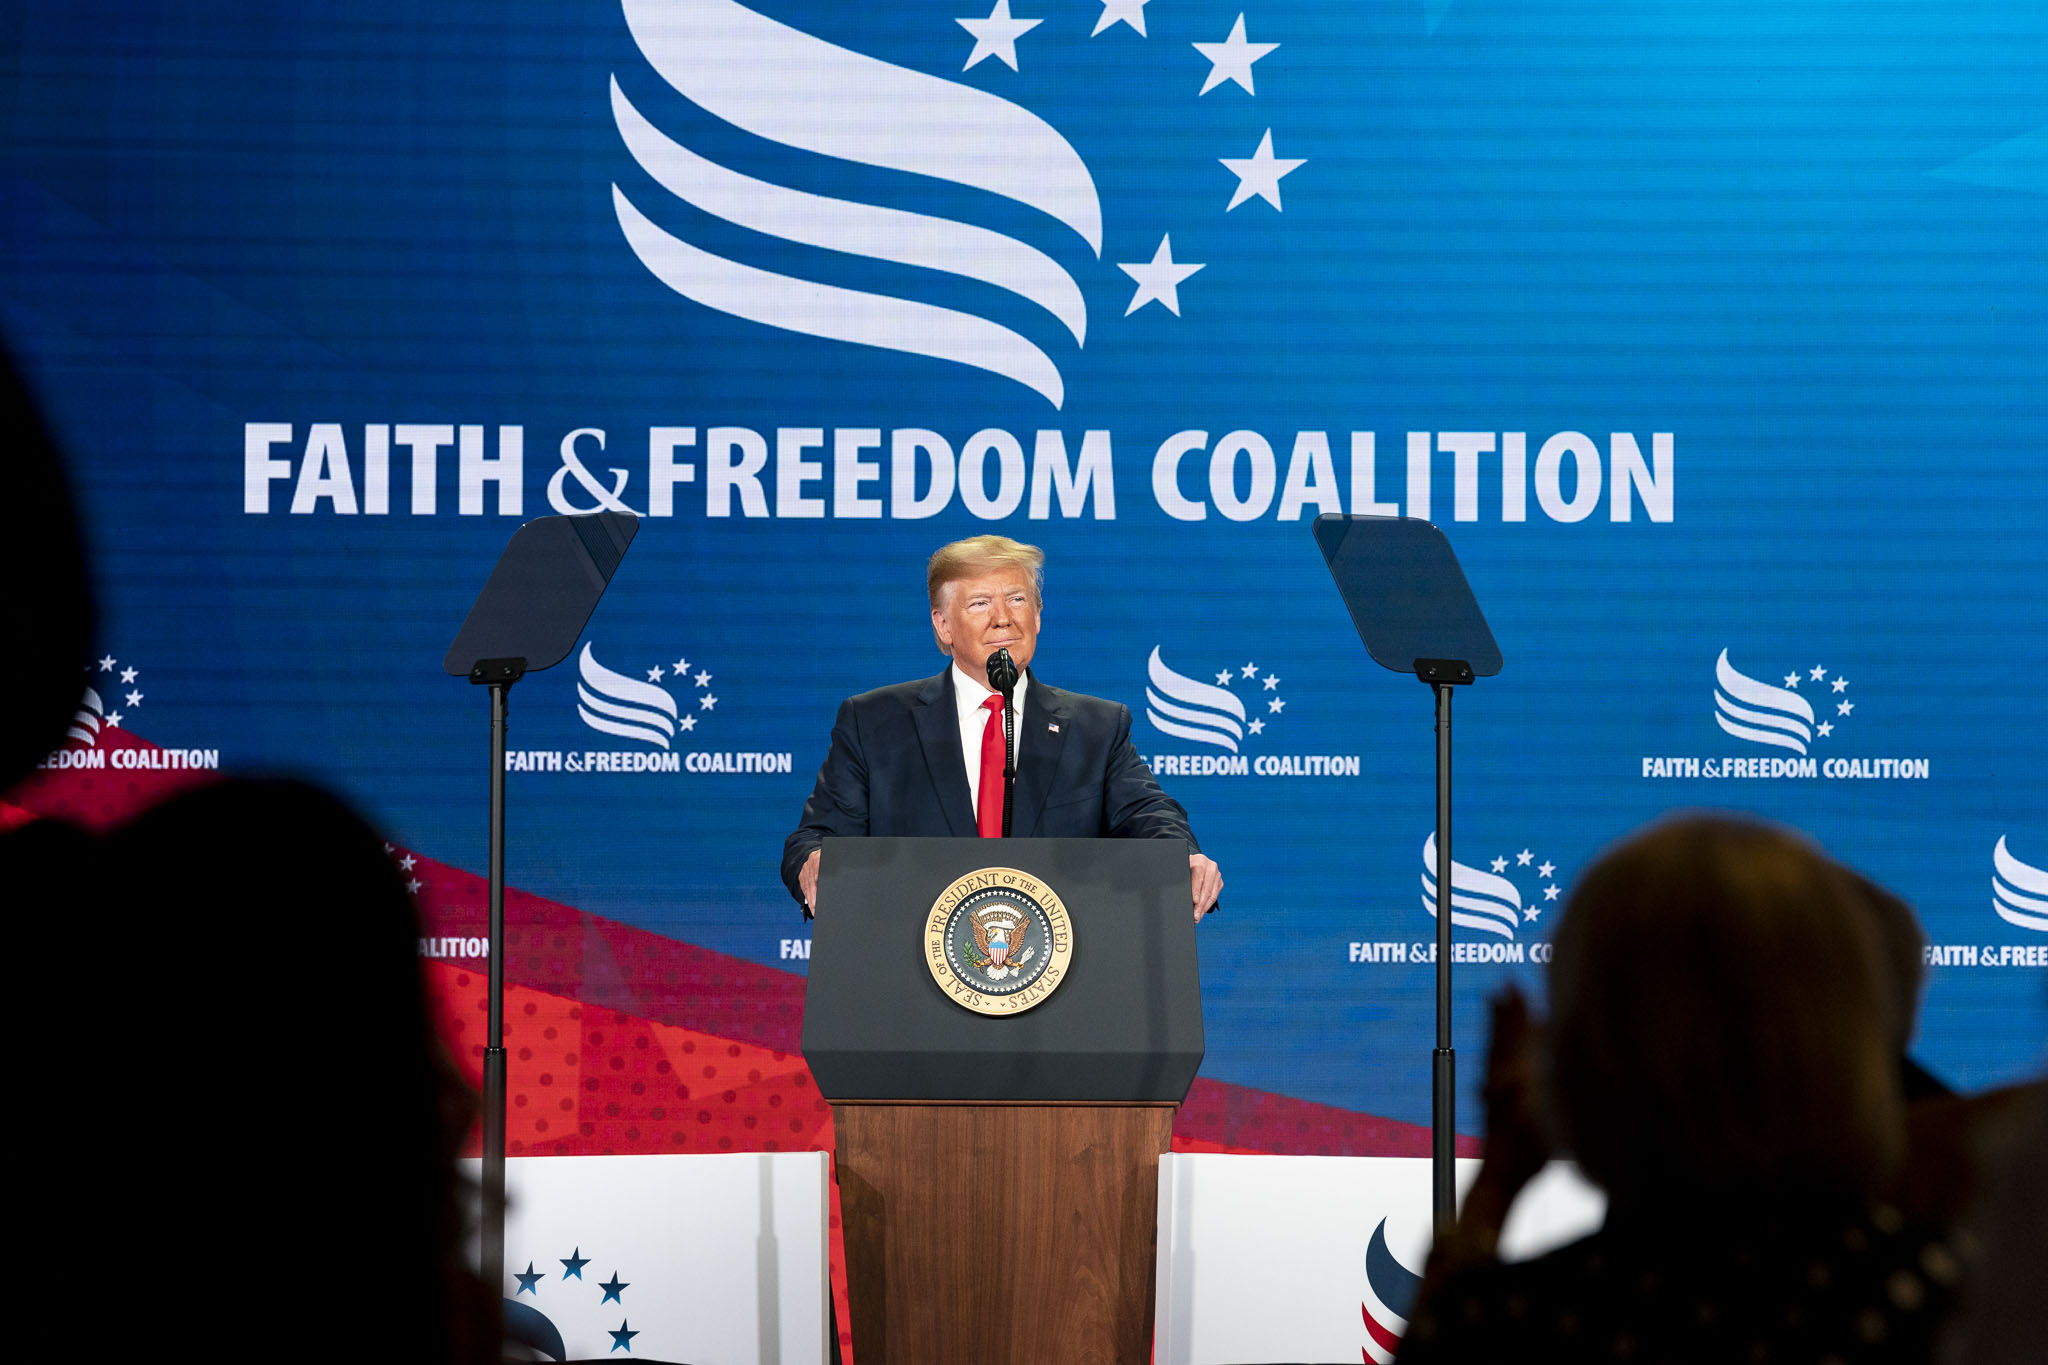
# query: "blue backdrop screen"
1712,334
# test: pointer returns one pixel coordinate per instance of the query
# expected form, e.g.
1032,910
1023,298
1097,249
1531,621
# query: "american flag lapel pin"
1050,726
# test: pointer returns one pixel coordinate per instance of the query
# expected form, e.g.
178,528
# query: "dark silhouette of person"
1998,1321
1722,1060
47,616
48,622
243,1130
1953,1141
301,1119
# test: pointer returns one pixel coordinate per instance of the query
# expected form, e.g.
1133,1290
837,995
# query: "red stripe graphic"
1389,1340
631,983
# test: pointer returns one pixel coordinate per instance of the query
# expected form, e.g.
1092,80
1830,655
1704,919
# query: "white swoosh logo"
1190,709
882,234
2019,891
729,60
85,724
1479,900
618,705
1773,715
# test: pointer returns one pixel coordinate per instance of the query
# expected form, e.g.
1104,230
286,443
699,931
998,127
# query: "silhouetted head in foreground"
1722,1020
292,1116
46,612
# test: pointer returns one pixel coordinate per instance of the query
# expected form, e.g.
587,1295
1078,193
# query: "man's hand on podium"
807,881
1208,883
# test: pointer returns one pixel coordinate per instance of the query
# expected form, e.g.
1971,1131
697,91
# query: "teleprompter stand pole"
532,609
1416,614
498,675
1442,675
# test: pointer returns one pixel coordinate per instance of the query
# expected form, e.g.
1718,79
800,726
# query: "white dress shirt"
971,695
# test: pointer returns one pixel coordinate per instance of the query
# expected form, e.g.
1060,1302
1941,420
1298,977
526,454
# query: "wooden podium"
998,1171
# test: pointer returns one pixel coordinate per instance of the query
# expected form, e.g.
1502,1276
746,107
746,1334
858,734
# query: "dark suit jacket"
895,768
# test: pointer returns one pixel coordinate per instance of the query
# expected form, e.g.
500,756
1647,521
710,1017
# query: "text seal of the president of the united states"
998,941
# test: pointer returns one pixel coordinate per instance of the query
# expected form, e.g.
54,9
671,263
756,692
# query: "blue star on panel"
527,1279
573,1264
622,1337
613,1288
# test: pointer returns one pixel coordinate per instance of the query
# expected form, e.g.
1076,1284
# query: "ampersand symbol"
572,463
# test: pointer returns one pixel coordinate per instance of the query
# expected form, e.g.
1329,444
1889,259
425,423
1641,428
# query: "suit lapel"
1041,735
938,731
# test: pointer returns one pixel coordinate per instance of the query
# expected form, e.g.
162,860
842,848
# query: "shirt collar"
971,694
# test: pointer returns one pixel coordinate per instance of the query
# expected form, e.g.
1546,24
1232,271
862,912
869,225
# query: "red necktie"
988,810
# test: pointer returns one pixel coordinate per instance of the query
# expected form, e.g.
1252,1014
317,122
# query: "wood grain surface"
1000,1234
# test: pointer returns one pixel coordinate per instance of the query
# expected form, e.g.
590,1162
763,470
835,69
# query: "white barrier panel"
1317,1258
698,1259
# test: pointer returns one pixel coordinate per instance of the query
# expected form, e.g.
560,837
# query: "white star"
1500,864
688,722
1843,708
1792,679
388,848
682,667
1545,868
127,675
1276,706
414,885
1130,12
1272,681
1223,678
1260,173
703,679
1251,670
1529,915
996,36
1824,729
1818,672
1231,59
1256,727
1550,893
107,664
1524,858
134,699
113,717
1841,684
707,701
407,862
654,673
1158,278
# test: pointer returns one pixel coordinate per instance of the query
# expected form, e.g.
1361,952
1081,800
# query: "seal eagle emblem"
998,941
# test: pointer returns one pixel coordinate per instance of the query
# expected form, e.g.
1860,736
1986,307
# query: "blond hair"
978,555
1719,1016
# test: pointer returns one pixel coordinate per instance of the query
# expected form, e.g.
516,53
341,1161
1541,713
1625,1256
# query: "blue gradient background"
1810,239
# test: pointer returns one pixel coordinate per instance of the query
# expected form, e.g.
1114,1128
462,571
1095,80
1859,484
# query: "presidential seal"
998,941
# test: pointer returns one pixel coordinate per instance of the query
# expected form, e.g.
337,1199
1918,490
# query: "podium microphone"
1002,676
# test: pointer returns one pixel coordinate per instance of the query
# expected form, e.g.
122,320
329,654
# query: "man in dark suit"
925,758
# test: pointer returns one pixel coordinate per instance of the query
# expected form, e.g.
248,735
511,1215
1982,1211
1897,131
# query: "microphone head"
1002,672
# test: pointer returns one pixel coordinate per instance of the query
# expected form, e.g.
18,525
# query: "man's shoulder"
1079,705
898,696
